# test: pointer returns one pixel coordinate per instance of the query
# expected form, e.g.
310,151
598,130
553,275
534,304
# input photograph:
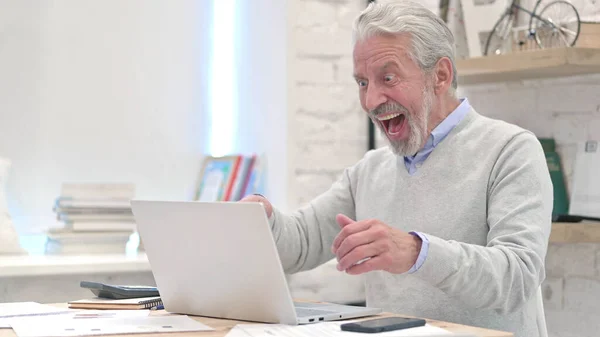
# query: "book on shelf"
92,211
561,198
95,217
230,178
97,190
102,203
61,241
107,226
102,236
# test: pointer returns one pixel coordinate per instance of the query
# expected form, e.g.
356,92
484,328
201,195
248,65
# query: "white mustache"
388,107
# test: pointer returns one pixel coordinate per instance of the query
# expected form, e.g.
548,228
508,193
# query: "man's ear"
443,75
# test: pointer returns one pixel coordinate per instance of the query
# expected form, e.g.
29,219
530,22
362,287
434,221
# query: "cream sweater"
484,200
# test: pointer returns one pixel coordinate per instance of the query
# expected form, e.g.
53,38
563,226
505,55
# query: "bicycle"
556,25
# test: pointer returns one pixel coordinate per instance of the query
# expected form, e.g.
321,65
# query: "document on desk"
9,311
327,330
46,327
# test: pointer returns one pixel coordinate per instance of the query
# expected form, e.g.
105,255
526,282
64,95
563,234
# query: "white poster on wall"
585,193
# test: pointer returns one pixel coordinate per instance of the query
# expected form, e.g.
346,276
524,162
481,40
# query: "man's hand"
377,245
260,199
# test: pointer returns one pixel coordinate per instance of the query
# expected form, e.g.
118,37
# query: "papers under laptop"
220,260
331,330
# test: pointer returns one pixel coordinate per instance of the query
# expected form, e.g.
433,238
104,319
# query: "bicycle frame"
514,6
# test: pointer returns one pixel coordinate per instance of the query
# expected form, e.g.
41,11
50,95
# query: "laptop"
219,260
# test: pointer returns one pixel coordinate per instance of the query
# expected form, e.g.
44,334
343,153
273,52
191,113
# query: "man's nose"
374,98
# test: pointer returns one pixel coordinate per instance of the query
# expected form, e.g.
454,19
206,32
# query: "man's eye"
361,83
388,78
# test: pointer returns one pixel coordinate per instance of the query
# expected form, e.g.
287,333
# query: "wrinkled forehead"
381,50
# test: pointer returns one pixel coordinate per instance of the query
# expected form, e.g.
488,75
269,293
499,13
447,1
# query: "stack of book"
95,218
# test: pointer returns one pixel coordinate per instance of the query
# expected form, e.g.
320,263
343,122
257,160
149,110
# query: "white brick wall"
330,134
330,127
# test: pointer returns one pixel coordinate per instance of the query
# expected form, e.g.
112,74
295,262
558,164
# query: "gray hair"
430,36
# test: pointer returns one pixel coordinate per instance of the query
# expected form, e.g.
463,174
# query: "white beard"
417,124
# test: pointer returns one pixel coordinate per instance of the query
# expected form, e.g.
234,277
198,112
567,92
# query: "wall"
330,135
100,91
328,129
262,90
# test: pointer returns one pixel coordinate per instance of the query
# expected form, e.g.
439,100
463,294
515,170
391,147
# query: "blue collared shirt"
414,162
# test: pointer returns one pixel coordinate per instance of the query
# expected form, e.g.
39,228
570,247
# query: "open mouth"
393,123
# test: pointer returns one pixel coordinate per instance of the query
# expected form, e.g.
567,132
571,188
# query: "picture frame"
216,177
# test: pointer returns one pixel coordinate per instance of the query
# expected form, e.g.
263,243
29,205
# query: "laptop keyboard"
305,312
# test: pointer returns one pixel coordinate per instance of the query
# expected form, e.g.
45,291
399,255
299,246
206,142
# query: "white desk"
45,265
56,278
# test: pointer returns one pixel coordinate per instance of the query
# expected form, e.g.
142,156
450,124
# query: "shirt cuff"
422,254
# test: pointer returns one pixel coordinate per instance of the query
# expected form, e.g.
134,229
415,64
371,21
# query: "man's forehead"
377,47
379,58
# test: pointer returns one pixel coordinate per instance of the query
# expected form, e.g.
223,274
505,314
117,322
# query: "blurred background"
104,101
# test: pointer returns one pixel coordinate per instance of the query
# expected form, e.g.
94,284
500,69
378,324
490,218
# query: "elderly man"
449,222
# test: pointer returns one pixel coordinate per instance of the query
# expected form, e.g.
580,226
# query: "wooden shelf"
578,232
543,63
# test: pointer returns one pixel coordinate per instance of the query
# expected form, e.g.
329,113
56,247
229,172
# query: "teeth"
388,117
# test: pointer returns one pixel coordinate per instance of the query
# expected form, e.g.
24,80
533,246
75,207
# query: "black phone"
383,324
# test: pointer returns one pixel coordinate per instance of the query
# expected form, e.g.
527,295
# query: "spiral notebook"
126,304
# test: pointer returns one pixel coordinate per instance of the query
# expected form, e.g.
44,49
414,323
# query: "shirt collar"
443,129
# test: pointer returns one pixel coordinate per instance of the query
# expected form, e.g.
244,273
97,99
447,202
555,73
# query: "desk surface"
222,326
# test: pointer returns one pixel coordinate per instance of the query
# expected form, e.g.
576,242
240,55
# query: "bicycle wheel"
558,25
499,40
539,4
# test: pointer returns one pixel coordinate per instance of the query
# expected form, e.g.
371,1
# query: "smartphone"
383,324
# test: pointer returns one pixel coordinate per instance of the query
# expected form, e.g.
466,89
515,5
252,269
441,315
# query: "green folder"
548,144
561,199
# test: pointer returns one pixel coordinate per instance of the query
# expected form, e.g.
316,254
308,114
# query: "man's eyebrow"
385,66
389,64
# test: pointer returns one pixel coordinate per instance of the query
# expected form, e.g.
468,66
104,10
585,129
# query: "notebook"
125,304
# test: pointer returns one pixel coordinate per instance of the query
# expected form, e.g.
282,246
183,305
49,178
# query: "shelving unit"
543,63
579,232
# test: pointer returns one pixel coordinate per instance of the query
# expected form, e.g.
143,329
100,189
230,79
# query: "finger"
343,220
347,231
355,240
357,254
252,198
261,200
374,263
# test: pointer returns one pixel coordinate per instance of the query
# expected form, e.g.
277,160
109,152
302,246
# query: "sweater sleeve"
507,272
304,238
